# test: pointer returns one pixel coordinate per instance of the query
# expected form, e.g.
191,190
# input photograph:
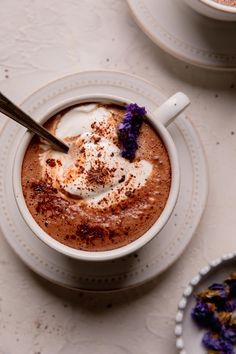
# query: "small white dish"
159,119
154,257
188,334
213,9
185,34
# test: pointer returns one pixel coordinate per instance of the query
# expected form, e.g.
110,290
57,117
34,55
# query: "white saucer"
188,334
154,257
185,34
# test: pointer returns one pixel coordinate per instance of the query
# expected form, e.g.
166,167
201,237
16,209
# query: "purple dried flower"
128,130
229,334
203,315
223,317
216,294
233,322
231,282
213,310
230,305
214,342
221,288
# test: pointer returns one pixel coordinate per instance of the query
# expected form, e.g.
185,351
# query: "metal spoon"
12,111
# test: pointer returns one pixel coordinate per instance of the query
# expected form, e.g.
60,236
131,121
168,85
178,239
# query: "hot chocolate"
227,2
92,198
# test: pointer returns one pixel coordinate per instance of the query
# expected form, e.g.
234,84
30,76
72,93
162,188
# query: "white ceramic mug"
159,119
213,9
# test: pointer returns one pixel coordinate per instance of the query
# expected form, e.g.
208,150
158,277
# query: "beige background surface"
42,41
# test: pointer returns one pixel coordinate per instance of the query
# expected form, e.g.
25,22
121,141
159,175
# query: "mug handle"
171,108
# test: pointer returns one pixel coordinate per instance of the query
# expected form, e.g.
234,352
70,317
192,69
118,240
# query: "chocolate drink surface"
92,198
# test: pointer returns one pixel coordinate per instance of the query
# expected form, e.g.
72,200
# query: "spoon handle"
12,111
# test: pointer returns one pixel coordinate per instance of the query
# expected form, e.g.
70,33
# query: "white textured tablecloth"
41,41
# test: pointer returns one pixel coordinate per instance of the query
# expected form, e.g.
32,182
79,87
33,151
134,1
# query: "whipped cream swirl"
93,170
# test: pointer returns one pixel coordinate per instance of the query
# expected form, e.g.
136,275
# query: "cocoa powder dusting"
100,174
85,231
42,187
47,201
51,162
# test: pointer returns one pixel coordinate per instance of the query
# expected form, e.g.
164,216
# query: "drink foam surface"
92,198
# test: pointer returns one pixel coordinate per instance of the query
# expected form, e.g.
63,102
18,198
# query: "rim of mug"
96,255
220,7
